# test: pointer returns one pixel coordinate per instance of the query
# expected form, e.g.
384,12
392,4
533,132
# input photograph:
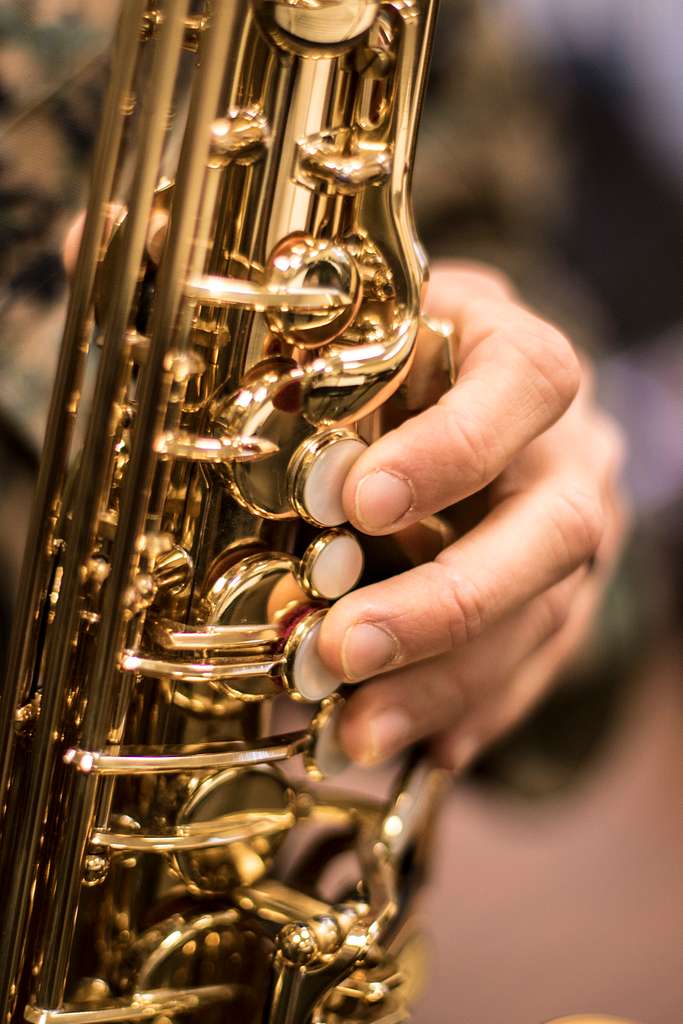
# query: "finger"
458,747
72,243
584,442
524,546
156,235
403,707
429,374
500,712
480,279
517,377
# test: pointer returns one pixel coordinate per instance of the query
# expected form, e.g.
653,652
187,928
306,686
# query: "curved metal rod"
224,292
134,760
199,835
140,1006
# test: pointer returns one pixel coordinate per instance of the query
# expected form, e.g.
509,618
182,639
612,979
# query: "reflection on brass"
298,263
140,1006
246,297
318,743
258,808
212,449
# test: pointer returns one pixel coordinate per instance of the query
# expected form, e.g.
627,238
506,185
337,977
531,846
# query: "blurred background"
552,146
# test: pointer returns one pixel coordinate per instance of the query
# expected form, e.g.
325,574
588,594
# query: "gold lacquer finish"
248,292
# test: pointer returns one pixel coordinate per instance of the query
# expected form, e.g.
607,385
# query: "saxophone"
245,304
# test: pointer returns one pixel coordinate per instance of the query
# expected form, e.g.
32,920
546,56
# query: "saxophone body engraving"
246,300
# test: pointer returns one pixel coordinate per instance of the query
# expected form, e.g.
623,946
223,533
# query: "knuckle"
555,608
444,697
461,698
480,279
555,365
580,523
461,602
472,444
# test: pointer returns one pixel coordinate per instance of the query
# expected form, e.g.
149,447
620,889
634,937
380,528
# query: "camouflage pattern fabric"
51,76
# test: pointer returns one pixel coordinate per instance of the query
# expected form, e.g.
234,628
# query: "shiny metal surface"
141,1006
247,296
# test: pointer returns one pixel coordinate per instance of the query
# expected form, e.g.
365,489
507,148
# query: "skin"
458,650
467,643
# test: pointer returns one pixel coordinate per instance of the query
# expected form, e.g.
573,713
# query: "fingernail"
388,733
366,649
382,499
463,752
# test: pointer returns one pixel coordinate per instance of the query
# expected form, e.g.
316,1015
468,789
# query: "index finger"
518,375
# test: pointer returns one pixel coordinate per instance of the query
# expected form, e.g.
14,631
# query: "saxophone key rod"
199,835
173,637
60,919
318,743
62,413
213,450
224,292
94,465
198,672
139,1006
136,760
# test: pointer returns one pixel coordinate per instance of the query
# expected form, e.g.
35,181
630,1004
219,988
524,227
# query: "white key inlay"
337,567
322,495
310,676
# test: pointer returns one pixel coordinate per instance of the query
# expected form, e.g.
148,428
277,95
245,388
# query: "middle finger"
400,708
529,542
518,377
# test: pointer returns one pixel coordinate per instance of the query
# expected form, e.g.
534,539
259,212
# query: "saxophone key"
328,28
317,473
341,163
331,565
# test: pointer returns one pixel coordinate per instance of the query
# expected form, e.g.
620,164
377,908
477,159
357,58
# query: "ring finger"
403,707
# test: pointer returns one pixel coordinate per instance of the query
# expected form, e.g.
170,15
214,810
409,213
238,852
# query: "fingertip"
349,495
360,469
380,500
456,751
72,243
353,739
450,279
330,640
372,734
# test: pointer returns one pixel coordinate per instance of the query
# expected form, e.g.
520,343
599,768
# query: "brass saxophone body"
245,301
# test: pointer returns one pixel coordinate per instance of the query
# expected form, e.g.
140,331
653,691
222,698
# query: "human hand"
459,649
